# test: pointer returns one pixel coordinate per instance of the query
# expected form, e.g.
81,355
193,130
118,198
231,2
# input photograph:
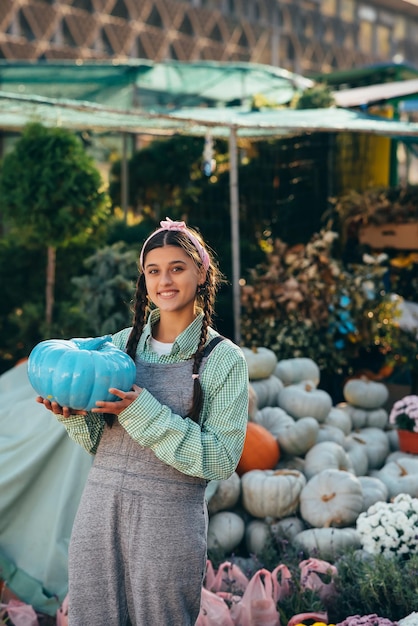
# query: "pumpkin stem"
359,440
326,498
285,472
403,470
92,343
330,521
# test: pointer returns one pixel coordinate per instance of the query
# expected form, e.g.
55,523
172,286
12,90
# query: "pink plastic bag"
229,577
281,588
213,610
301,617
257,607
21,614
62,613
310,576
209,576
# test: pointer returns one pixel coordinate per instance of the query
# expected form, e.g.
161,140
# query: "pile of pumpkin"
308,468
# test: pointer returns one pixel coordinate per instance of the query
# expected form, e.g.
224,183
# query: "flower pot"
408,441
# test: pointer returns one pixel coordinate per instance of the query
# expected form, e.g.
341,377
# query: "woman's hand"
57,409
126,398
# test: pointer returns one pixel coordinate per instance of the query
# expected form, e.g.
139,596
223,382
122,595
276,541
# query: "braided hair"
205,300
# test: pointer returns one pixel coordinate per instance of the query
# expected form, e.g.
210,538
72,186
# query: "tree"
160,175
51,194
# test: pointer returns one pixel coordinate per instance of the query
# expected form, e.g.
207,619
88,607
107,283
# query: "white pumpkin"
397,455
295,437
261,362
393,439
295,370
267,391
292,463
340,419
364,418
356,449
225,531
374,490
377,446
328,543
273,419
273,493
326,455
225,493
257,535
330,433
331,498
287,528
304,400
400,476
365,393
298,436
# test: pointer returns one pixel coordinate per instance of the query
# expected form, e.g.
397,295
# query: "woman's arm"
86,430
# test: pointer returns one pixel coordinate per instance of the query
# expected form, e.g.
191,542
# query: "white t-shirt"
159,347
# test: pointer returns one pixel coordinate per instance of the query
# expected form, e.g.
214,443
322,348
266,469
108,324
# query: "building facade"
304,36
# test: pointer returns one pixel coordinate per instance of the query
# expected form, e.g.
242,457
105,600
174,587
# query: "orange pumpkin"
261,450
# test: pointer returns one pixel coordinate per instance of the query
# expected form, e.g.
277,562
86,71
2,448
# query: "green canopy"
375,74
18,110
145,84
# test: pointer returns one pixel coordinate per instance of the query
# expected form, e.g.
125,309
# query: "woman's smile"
167,293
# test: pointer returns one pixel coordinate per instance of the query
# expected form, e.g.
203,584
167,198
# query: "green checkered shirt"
210,450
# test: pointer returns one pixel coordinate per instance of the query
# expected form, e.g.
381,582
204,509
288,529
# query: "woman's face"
172,278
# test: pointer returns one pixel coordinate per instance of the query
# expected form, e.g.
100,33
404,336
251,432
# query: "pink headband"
168,224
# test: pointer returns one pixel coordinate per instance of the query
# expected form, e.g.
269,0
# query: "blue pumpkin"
78,372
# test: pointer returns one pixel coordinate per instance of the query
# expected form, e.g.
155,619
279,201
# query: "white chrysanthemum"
390,528
400,519
379,532
409,620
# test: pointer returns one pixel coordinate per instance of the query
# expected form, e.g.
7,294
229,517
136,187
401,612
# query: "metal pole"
124,177
234,208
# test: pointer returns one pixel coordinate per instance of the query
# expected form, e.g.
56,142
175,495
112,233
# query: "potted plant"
404,415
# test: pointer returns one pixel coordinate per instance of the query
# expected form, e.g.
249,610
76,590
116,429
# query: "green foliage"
317,97
50,188
303,302
50,196
135,234
387,586
22,277
105,292
160,175
299,601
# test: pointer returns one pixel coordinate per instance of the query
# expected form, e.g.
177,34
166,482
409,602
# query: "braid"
140,310
207,296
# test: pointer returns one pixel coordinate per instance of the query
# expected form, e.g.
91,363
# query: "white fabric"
42,476
159,347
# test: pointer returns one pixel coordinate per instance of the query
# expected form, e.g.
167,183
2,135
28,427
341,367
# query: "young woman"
137,553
